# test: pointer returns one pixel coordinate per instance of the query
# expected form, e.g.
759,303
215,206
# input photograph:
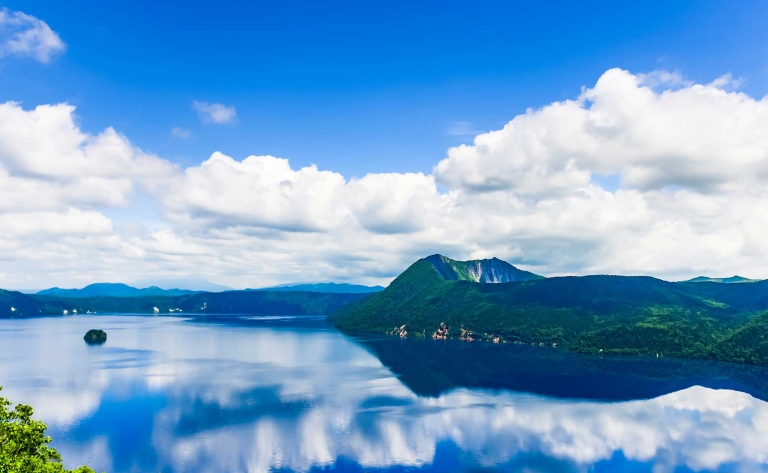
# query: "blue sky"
361,86
564,137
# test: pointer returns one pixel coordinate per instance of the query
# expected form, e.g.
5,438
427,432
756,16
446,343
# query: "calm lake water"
253,394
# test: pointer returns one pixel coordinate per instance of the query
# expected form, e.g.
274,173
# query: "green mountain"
732,279
330,287
106,289
591,314
16,304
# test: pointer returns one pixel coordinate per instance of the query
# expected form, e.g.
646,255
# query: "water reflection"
245,394
431,368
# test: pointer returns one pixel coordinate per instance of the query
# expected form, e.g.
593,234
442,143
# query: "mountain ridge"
107,289
487,271
326,287
732,280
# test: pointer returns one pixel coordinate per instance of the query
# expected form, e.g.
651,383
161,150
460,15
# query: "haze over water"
232,394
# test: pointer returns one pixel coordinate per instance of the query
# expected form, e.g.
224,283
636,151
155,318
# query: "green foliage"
24,445
591,314
747,344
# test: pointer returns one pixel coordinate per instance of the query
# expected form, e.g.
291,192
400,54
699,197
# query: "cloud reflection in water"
168,395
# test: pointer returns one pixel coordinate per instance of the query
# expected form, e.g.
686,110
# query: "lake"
257,394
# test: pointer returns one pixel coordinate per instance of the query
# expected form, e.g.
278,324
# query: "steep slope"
491,270
113,290
609,314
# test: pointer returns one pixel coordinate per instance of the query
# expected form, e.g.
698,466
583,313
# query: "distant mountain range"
16,304
106,289
437,297
124,290
188,283
731,280
116,298
328,287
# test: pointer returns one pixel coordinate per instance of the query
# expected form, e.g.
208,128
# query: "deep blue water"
252,394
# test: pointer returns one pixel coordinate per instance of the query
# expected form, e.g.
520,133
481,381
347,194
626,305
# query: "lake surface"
253,394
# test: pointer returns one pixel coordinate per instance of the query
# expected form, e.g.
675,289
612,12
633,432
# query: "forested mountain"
593,314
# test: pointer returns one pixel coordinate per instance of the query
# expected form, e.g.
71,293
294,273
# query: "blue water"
253,394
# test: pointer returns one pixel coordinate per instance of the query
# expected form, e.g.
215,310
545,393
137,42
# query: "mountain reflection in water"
292,394
430,368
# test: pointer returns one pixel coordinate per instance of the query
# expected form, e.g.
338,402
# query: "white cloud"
691,160
26,35
727,81
179,132
45,147
260,191
662,77
214,112
698,137
55,183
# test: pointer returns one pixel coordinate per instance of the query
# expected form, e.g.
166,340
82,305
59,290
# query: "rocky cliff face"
491,270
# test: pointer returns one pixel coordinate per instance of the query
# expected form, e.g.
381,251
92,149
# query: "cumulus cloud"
26,35
45,147
691,162
265,192
56,182
692,196
699,137
214,112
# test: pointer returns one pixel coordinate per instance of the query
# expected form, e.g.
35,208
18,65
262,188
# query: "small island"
95,337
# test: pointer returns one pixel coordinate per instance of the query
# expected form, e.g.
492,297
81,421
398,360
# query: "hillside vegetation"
592,314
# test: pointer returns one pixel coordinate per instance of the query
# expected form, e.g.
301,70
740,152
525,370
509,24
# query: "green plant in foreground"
24,445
